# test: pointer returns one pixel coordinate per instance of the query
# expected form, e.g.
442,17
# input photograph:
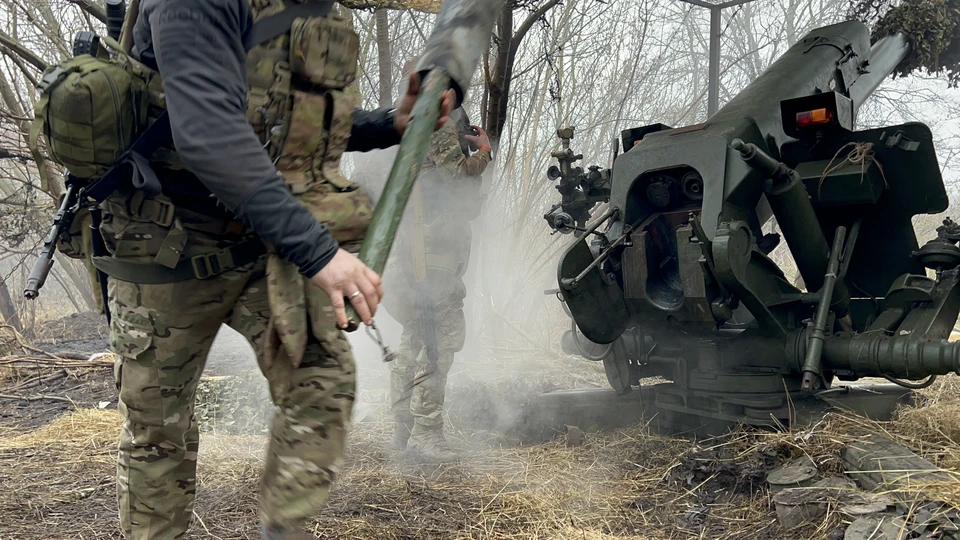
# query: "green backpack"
91,110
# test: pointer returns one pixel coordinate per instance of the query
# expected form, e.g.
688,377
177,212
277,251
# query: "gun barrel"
116,13
885,55
38,276
872,355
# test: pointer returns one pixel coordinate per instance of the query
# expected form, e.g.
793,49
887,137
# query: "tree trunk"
497,85
80,279
7,310
384,58
10,100
71,297
508,43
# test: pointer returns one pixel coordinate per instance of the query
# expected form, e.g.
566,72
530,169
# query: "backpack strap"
134,164
278,24
39,108
126,35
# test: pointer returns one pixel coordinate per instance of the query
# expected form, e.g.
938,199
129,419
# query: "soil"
59,429
88,334
39,403
81,333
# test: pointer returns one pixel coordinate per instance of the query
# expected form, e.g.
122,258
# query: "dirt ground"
58,430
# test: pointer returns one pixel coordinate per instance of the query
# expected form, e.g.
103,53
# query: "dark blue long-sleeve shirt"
198,48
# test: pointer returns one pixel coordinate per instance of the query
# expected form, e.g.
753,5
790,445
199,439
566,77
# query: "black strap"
131,165
196,267
270,27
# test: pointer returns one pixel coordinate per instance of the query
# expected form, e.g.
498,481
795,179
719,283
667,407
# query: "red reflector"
815,117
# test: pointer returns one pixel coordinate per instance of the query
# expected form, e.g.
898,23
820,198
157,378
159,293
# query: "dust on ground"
58,451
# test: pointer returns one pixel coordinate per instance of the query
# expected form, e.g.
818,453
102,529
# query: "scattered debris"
575,436
800,473
878,463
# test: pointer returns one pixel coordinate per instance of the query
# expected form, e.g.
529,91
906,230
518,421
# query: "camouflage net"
931,26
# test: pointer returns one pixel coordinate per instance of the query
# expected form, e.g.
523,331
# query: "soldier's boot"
402,427
428,443
280,534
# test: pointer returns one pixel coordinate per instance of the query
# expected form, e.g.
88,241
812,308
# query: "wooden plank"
877,463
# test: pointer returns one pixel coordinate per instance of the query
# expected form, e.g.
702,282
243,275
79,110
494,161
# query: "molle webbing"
197,267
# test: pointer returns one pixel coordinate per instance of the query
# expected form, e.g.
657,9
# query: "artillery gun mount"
675,279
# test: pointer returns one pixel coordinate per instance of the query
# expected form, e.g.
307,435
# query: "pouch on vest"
318,130
90,110
324,52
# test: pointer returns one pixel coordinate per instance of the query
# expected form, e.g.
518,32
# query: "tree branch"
20,65
532,18
426,6
22,158
22,51
91,8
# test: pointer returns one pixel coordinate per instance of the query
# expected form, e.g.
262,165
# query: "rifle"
428,331
74,199
61,224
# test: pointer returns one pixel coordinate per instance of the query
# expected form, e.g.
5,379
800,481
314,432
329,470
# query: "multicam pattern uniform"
163,332
450,187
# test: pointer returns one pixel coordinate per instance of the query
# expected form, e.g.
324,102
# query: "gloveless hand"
401,117
346,276
480,139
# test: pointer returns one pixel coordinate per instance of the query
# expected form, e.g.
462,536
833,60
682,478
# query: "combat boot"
429,444
402,427
274,534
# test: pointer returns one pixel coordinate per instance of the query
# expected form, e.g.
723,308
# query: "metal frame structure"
713,83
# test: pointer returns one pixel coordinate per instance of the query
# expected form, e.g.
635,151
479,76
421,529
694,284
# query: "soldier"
253,228
433,247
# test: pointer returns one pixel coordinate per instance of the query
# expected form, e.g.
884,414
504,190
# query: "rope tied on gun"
861,153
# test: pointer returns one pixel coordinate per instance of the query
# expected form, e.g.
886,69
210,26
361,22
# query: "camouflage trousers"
162,334
417,382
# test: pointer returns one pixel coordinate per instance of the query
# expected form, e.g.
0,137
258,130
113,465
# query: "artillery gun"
675,279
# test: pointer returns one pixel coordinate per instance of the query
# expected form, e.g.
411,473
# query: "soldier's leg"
161,334
315,401
402,372
428,395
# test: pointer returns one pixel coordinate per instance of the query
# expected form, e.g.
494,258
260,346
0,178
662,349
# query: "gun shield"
460,36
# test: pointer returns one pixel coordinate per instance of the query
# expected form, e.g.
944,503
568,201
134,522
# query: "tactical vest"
297,105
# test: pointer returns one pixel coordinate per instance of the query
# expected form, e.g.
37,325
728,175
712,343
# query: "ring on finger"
356,294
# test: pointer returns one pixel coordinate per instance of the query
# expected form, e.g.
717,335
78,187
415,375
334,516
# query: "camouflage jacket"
450,189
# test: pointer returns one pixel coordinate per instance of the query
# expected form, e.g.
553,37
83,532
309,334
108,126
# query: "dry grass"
57,481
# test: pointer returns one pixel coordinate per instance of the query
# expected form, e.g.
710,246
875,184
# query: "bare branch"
532,18
93,9
20,65
22,51
426,6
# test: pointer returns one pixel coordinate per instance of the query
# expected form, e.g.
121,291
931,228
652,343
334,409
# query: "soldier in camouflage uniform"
254,228
434,234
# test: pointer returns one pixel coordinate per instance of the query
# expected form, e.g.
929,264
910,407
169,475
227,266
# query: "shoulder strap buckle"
53,77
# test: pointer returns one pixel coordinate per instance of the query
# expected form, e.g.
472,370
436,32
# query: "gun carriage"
675,279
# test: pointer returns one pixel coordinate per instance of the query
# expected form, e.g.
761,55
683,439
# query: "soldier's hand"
480,139
401,117
345,276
